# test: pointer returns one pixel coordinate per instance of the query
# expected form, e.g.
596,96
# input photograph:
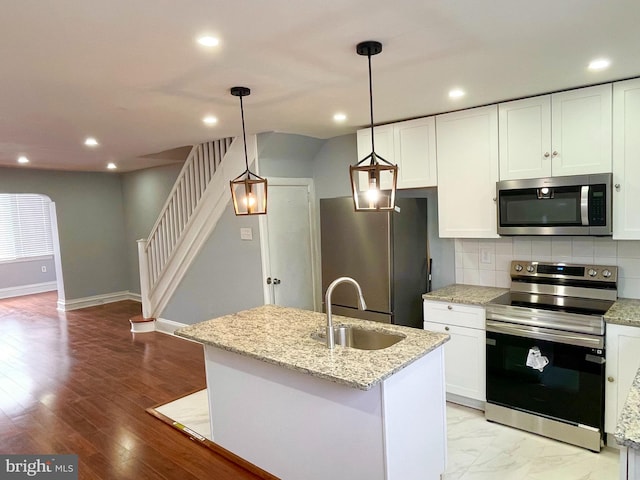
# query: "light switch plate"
246,233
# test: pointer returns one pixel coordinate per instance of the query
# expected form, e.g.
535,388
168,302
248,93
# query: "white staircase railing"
201,173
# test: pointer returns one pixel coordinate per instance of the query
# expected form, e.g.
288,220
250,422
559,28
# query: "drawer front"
469,316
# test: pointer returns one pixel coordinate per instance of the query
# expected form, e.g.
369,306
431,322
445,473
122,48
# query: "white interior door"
289,247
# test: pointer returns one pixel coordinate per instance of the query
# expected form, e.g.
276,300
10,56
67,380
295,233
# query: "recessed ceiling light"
111,166
208,41
339,117
599,64
210,120
91,142
456,93
23,159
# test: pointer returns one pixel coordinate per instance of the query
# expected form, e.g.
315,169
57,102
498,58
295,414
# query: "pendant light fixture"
248,190
373,179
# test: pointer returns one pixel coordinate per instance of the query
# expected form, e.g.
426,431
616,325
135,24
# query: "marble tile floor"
477,449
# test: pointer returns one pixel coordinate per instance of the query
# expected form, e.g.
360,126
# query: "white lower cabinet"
623,360
464,353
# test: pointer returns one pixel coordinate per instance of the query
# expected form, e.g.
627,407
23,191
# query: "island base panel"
296,425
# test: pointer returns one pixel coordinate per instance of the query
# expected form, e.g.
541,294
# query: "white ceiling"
130,73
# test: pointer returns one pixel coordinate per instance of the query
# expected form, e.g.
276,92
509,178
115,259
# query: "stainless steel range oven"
546,351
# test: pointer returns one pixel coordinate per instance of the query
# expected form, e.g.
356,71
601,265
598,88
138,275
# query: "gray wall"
91,228
27,272
144,193
288,156
225,277
331,166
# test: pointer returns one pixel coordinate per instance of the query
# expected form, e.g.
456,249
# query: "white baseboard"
168,326
28,289
464,401
77,303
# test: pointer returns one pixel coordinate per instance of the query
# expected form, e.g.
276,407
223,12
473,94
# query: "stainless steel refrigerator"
385,252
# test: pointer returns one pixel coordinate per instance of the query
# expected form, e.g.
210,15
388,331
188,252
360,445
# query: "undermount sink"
360,338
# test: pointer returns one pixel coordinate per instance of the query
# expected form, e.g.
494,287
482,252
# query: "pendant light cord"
244,136
373,149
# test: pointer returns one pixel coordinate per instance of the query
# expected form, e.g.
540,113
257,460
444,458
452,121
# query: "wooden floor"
79,382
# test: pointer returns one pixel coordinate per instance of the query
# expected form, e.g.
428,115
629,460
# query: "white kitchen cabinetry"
415,152
566,133
465,353
626,167
623,361
467,157
411,145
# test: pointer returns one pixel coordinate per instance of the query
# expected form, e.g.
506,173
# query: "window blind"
25,226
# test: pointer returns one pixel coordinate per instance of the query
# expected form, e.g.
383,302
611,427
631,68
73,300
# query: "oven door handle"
538,333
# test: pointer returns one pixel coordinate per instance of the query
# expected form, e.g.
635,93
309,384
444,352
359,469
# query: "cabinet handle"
494,199
449,307
446,328
555,154
617,185
610,379
546,154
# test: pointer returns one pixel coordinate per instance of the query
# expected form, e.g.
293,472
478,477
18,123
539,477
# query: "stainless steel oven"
546,351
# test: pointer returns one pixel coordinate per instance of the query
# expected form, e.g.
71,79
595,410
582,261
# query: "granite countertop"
282,336
626,311
469,294
628,427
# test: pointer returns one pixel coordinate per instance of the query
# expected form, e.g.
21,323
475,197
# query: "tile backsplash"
487,261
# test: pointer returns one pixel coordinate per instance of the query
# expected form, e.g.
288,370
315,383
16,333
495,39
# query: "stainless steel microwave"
571,205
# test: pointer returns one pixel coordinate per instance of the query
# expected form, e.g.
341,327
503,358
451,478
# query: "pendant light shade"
373,179
248,190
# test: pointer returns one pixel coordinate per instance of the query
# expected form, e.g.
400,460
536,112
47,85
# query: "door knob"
546,154
555,154
268,280
610,379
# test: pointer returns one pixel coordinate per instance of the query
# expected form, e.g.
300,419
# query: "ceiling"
131,74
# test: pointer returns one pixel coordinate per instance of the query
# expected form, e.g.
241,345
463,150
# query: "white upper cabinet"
415,152
411,145
467,157
626,160
566,133
525,138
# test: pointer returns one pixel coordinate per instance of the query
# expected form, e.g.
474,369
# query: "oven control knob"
606,273
530,268
517,267
592,272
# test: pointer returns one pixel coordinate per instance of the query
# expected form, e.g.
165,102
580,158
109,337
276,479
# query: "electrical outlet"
485,255
43,268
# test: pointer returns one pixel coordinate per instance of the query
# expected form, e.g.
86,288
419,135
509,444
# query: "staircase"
191,212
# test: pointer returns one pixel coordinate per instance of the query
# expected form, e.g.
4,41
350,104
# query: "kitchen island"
283,401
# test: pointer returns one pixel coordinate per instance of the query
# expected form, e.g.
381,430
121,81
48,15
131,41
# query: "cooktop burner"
557,296
578,305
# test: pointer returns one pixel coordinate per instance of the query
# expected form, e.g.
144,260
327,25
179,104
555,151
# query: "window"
25,226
